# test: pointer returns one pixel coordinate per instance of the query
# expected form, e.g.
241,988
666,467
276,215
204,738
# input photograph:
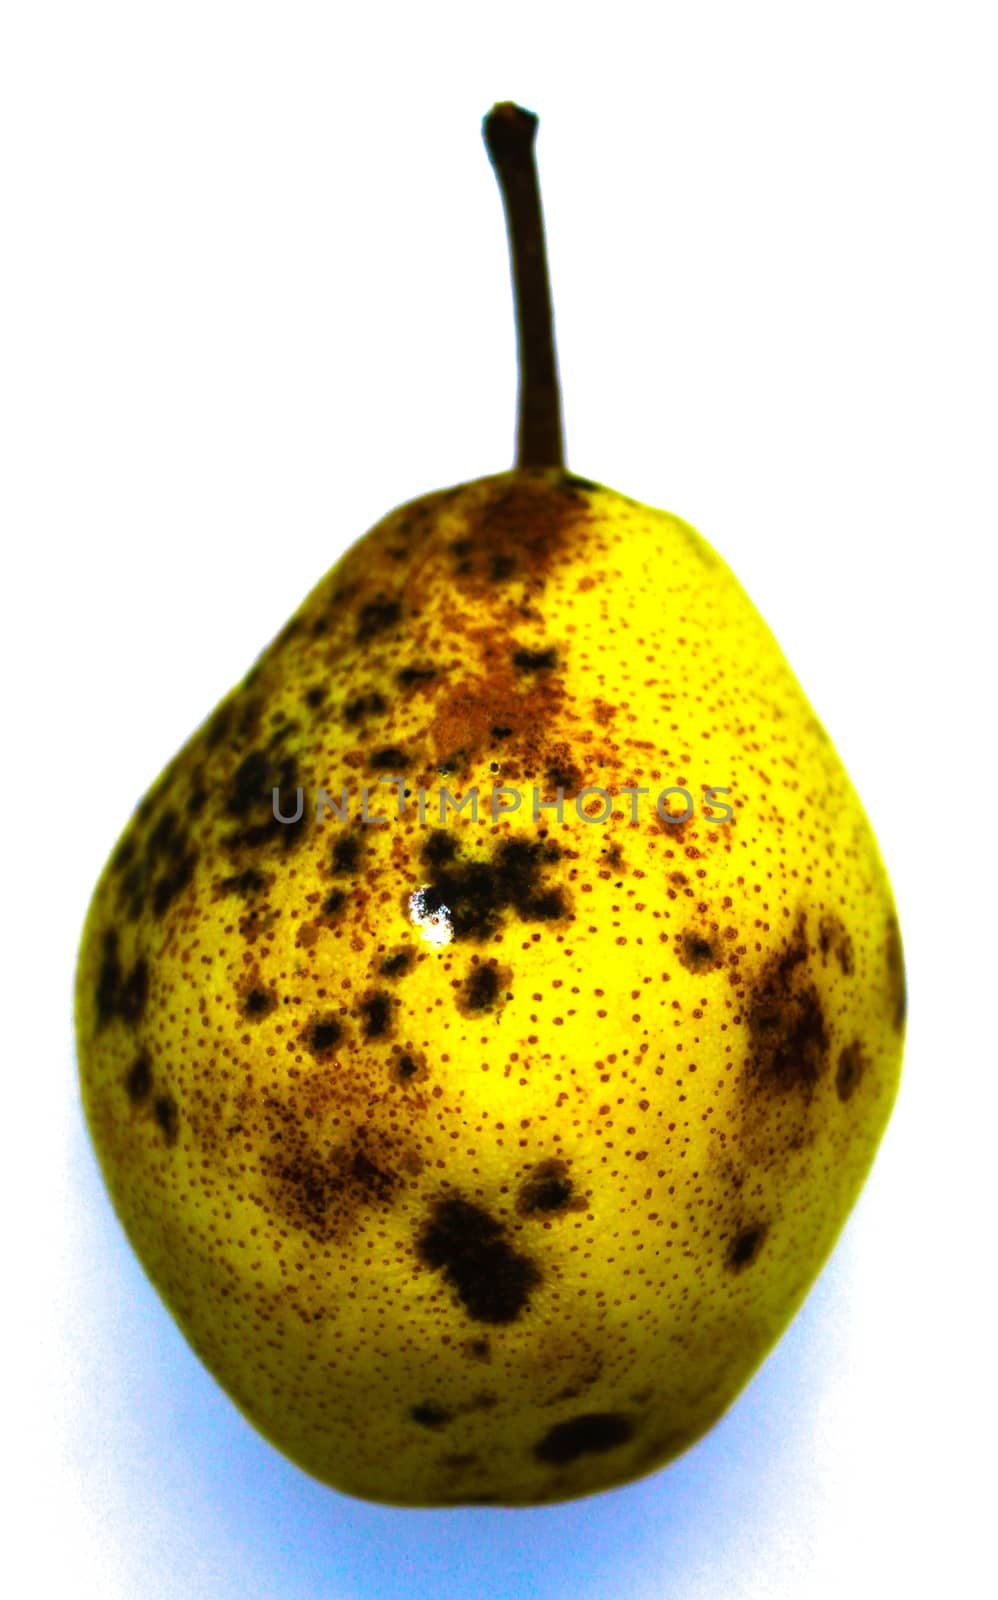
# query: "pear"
488,1020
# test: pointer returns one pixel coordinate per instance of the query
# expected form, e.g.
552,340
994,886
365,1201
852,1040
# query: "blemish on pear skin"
138,1081
377,1014
363,706
323,1034
250,797
744,1249
248,724
290,630
133,885
502,566
786,1022
408,676
334,903
548,1191
117,995
481,988
482,1402
346,853
390,759
535,660
565,775
165,1113
319,1190
259,1003
372,1180
492,1280
586,1435
245,883
454,763
254,922
283,730
250,784
526,523
123,854
377,616
439,847
430,1416
173,882
699,952
850,1070
163,836
219,725
477,893
395,965
133,993
196,799
834,939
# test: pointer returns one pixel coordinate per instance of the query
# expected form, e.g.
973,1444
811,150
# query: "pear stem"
509,133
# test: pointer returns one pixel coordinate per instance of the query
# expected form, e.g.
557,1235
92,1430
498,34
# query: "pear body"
482,1161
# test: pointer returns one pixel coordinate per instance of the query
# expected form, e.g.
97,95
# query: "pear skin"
482,1154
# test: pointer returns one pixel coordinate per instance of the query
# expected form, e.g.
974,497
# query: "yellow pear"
483,1153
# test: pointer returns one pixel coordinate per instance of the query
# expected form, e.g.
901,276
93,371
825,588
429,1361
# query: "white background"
253,292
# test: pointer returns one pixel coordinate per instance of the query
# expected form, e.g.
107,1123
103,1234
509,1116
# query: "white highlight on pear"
435,926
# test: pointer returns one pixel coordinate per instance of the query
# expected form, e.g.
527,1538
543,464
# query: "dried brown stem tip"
509,137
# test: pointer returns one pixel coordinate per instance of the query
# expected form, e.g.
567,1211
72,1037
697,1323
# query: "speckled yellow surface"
484,1162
